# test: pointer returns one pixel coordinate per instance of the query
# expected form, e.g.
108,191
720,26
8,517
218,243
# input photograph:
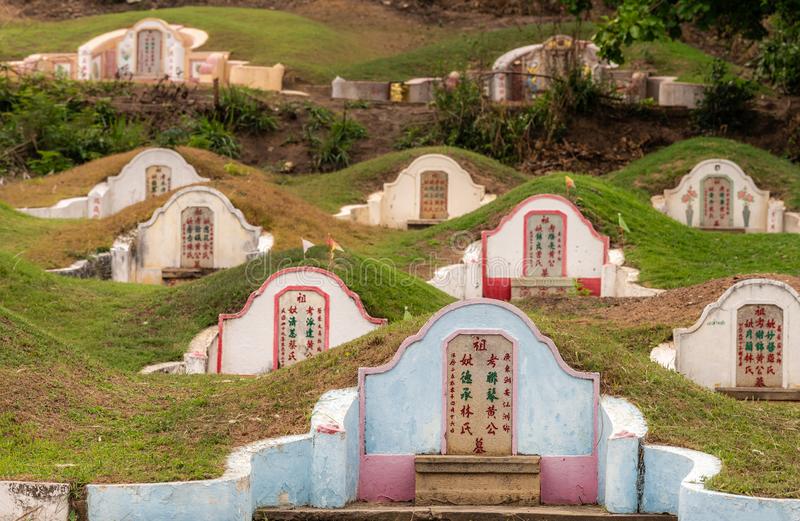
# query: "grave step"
185,273
474,480
761,393
409,512
415,224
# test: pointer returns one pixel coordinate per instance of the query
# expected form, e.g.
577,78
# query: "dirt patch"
674,308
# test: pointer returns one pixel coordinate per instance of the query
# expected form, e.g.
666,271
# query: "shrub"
240,111
726,101
779,60
213,135
49,161
332,151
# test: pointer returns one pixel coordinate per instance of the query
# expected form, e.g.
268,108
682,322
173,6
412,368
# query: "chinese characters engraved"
545,245
433,195
197,237
480,388
302,325
759,346
717,202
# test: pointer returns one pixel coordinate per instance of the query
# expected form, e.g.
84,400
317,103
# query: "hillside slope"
664,168
668,253
56,243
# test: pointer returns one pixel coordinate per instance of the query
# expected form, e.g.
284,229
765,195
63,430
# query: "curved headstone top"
527,70
748,338
718,194
478,379
434,187
150,173
197,229
297,313
544,237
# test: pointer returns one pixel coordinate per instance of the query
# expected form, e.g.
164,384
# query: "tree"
775,23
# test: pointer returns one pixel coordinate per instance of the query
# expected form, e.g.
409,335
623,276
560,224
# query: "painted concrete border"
317,469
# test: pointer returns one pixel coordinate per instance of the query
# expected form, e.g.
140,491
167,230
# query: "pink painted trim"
257,293
514,348
525,250
489,233
568,480
386,477
363,372
275,324
593,284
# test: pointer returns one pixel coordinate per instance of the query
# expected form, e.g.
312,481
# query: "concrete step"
409,512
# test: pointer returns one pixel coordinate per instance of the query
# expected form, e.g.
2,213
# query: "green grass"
319,52
263,36
664,168
668,253
353,184
756,441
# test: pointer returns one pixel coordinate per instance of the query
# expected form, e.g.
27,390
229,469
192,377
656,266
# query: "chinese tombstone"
432,189
151,173
197,230
746,339
152,49
451,419
523,72
543,246
294,315
718,195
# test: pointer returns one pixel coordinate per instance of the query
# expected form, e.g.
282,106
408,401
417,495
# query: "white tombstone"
432,189
748,338
197,229
525,71
544,245
151,173
295,314
718,195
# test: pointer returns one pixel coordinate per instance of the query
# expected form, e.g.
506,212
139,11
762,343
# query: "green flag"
622,223
407,314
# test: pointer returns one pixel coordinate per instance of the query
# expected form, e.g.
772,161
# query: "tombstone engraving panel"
433,195
759,346
717,197
480,373
197,237
148,62
301,324
544,240
158,179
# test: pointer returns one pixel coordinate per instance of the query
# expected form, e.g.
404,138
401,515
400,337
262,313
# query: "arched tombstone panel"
478,381
544,245
718,195
747,339
297,313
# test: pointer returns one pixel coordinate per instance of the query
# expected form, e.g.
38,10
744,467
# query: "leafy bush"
49,161
213,135
332,151
779,61
726,101
240,111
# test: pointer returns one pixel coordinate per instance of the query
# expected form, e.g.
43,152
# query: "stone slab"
538,286
471,480
409,512
761,393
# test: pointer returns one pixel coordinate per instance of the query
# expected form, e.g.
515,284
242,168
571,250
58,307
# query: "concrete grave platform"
408,511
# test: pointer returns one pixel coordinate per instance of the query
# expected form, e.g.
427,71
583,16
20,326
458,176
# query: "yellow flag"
569,182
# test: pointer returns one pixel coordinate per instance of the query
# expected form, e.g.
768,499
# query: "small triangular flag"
622,223
569,182
407,314
306,245
333,245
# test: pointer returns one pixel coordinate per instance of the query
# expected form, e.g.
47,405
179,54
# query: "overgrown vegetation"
331,137
49,125
464,118
726,100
